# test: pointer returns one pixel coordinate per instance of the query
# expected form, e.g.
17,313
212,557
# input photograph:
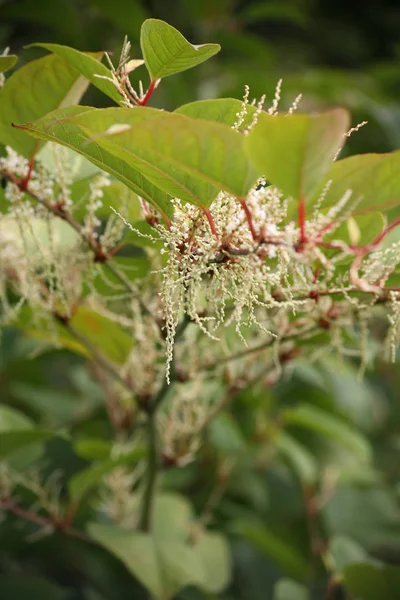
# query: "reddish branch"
7,504
147,96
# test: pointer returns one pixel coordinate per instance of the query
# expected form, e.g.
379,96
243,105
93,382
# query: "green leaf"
345,551
316,419
166,51
272,546
15,587
295,152
19,442
286,589
166,560
373,178
298,456
7,62
93,448
88,66
107,336
188,158
81,483
222,110
225,435
13,441
35,89
58,127
369,582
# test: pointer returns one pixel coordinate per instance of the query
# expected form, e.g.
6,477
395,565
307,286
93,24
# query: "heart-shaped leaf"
166,560
295,152
166,51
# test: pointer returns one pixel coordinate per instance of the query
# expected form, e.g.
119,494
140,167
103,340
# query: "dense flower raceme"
239,270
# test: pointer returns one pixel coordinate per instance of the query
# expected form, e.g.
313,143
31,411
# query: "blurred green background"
333,52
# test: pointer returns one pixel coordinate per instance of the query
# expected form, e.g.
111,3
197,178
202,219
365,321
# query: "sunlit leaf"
222,110
53,127
88,66
7,62
34,90
295,152
374,180
167,52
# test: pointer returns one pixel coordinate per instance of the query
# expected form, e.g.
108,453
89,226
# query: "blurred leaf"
48,83
7,62
286,589
93,448
166,561
167,52
369,582
298,456
15,587
295,152
20,442
225,435
88,65
344,551
13,441
102,333
273,546
369,515
316,419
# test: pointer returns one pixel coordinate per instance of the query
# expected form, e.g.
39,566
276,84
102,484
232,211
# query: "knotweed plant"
187,255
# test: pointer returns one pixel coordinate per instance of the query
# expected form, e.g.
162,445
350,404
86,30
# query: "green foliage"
166,51
295,154
144,448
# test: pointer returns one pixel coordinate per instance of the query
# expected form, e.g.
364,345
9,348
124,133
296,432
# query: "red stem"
149,92
249,219
302,220
211,222
24,182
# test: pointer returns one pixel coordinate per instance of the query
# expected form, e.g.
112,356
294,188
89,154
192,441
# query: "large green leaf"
60,127
7,62
318,420
37,88
188,158
165,561
166,51
373,178
295,152
222,110
87,66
